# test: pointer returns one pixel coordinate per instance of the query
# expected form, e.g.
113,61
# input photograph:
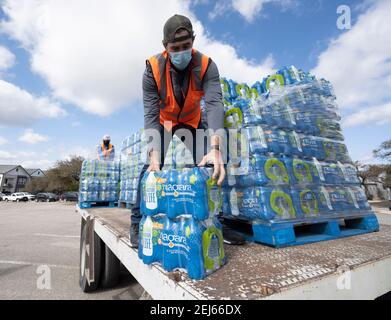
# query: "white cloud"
31,137
5,156
7,58
25,159
250,9
94,56
19,107
44,159
37,163
219,9
3,140
358,62
378,115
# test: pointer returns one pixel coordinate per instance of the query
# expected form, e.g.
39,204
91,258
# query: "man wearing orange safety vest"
106,150
174,82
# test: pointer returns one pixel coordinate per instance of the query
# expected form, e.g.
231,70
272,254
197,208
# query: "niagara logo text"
177,187
173,238
249,203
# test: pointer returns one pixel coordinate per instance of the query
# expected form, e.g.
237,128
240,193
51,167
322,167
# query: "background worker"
105,150
174,82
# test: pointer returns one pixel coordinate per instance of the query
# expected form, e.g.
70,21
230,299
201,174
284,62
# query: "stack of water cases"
99,183
287,157
133,158
179,228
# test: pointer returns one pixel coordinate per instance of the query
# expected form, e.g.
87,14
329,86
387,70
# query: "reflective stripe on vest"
170,112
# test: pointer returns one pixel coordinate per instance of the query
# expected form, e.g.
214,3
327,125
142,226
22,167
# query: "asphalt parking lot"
40,239
43,238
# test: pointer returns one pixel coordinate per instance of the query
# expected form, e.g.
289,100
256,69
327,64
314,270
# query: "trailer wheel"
85,286
110,269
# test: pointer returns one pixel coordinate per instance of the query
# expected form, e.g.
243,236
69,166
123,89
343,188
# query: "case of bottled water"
179,228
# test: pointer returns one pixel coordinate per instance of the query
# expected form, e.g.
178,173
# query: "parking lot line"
54,235
37,264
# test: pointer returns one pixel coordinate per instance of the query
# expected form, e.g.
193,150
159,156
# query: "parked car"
29,196
1,196
69,196
46,197
17,196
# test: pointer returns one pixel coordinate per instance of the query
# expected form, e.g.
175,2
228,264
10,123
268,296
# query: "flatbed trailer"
357,267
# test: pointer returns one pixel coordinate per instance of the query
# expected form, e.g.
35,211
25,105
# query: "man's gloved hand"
214,157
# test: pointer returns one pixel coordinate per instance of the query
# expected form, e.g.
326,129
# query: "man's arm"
213,98
151,100
215,117
151,112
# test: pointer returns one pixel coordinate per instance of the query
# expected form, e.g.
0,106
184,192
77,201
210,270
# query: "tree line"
62,177
65,175
372,171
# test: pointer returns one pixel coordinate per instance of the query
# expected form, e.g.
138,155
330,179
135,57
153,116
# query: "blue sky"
85,78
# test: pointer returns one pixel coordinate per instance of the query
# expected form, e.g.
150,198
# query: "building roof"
31,171
4,168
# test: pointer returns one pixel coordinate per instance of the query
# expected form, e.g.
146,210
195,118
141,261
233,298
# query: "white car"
18,196
29,196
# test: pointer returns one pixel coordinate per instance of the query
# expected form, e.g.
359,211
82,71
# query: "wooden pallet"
285,234
124,205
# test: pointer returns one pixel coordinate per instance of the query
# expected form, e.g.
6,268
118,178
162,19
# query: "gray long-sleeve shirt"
180,82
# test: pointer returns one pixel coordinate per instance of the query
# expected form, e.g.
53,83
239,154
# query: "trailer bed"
254,271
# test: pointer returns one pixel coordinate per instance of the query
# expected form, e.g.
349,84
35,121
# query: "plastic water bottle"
150,248
350,174
294,144
263,170
213,247
147,232
360,200
332,173
306,202
256,139
151,193
278,204
339,199
312,147
302,171
273,143
284,142
324,201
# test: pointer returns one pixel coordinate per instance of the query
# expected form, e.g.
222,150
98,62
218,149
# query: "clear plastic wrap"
294,203
182,243
133,159
287,158
266,140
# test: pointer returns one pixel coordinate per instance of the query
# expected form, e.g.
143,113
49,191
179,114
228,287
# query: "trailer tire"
111,267
84,285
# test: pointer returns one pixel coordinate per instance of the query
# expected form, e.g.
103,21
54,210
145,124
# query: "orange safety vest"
170,112
109,149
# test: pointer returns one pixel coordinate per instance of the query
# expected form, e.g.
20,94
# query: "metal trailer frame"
369,279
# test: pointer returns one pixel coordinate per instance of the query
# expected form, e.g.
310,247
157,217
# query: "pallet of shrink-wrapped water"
99,183
288,163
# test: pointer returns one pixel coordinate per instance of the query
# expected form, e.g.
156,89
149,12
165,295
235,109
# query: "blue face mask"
181,59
